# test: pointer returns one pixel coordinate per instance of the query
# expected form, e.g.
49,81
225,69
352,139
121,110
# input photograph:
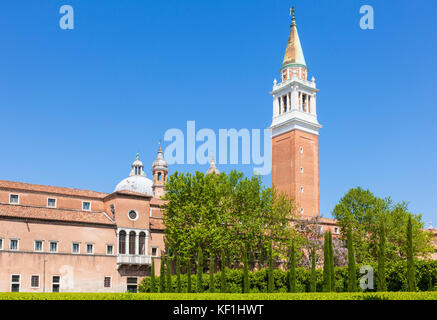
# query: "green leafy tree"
152,277
352,275
363,211
162,275
381,285
411,277
225,211
199,270
211,273
292,269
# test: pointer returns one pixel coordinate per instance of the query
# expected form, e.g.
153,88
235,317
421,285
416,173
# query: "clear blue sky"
76,106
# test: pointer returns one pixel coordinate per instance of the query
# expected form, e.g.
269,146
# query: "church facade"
56,239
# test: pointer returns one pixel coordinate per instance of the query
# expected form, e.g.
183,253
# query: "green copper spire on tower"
138,156
293,52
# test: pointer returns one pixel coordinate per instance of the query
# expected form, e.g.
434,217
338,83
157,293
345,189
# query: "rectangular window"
14,199
89,248
53,246
154,251
13,244
56,280
1,244
34,281
15,283
86,206
38,245
51,203
336,230
75,248
107,282
109,249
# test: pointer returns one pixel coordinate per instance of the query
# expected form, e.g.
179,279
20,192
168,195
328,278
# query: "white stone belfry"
294,98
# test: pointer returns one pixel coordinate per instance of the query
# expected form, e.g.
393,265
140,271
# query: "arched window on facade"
132,242
142,243
122,242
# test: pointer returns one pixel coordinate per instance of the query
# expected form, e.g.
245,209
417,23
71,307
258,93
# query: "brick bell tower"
295,130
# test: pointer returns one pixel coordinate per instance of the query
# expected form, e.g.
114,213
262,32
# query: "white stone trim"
295,124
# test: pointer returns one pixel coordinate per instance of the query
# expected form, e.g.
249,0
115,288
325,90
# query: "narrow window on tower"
279,105
301,170
284,103
301,189
309,104
301,150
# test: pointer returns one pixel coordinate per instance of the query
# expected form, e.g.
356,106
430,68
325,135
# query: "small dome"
137,181
139,184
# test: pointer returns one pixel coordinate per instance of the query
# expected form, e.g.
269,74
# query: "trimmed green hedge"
426,273
222,296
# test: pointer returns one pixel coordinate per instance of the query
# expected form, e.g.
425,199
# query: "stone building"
62,239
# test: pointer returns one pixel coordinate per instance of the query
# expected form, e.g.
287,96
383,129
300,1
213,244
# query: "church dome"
138,184
137,181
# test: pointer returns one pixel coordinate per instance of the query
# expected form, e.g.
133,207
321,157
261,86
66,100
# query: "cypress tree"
430,283
162,276
168,271
199,270
331,267
313,270
152,277
326,265
178,275
223,274
382,285
189,290
211,273
292,270
351,270
245,271
270,285
411,277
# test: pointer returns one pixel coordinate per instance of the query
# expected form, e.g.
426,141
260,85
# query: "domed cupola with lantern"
137,181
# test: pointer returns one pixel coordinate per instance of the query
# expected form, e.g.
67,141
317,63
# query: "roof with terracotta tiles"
50,189
52,214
